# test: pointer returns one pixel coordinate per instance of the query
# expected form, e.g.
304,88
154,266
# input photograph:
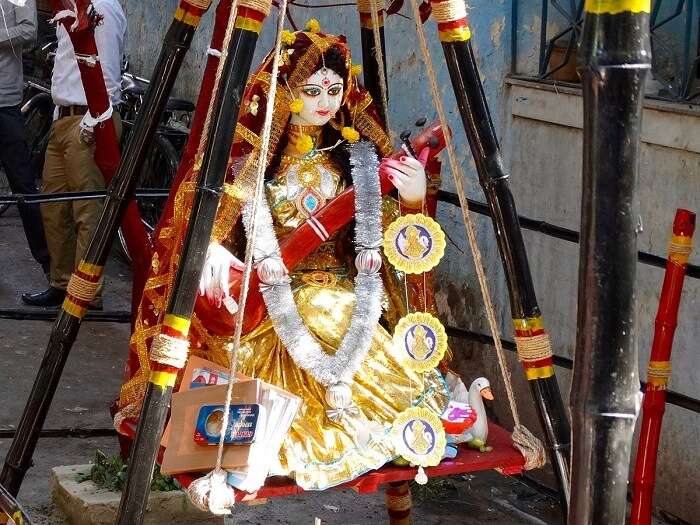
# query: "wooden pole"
370,65
226,105
455,36
614,58
68,322
659,371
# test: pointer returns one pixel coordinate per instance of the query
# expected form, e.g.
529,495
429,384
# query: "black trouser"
15,159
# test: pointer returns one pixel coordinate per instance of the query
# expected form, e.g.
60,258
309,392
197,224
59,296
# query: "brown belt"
71,111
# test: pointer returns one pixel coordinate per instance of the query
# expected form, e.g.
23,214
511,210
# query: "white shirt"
66,85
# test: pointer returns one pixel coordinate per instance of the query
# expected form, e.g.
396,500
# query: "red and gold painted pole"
169,348
534,349
659,371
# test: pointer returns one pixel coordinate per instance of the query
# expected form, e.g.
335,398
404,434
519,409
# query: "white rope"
531,446
214,52
168,350
212,489
374,13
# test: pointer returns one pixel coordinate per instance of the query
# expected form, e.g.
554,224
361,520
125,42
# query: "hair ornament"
296,105
350,134
313,26
304,144
288,38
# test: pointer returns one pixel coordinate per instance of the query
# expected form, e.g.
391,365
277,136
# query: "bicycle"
159,167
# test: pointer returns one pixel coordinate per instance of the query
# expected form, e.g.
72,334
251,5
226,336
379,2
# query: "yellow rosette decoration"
414,243
420,340
420,439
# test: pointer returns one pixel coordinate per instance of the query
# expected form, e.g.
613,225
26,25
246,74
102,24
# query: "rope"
374,13
169,350
367,6
522,437
81,288
248,263
448,11
533,348
202,4
261,6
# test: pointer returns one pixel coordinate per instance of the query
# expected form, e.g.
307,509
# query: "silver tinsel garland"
307,353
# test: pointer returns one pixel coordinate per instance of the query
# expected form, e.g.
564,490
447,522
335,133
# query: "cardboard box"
182,454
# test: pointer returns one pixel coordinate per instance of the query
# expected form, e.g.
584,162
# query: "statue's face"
322,94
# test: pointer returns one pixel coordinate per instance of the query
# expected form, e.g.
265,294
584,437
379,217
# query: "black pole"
455,36
10,507
615,56
370,65
67,325
210,182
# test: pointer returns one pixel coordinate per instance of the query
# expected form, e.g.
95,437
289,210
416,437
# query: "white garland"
330,370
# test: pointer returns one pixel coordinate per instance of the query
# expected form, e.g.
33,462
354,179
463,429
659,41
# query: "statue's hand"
214,282
408,176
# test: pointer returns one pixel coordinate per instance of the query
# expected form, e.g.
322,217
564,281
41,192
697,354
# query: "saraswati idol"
323,332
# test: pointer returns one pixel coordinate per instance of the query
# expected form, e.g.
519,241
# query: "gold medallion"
414,243
419,437
420,340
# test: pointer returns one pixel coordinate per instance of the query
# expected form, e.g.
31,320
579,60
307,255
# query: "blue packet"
242,424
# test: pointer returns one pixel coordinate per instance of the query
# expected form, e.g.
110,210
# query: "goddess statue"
342,430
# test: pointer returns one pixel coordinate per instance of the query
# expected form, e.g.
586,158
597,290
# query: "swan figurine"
469,402
479,390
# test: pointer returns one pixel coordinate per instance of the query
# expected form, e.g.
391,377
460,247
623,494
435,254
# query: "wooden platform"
503,458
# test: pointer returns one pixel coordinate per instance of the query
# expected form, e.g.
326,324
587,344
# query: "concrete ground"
91,381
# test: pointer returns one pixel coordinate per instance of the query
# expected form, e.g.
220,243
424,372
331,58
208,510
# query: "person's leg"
58,223
85,176
14,156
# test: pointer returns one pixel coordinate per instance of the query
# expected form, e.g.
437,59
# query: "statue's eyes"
311,91
334,91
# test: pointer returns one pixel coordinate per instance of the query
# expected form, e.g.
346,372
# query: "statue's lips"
323,113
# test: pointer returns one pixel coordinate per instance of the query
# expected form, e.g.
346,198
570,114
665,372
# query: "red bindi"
325,82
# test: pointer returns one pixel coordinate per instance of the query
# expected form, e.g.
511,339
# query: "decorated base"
503,457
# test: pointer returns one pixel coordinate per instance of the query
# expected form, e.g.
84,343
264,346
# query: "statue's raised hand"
408,176
215,274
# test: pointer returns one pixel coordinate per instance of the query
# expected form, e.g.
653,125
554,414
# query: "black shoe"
49,297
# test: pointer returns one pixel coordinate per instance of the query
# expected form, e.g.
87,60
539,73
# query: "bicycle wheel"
37,124
157,172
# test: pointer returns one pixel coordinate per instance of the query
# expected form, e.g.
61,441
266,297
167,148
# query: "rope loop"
169,350
530,447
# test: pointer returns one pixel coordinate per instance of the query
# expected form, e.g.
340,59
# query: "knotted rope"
531,447
212,489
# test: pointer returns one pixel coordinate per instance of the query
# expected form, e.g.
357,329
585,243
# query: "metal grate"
675,38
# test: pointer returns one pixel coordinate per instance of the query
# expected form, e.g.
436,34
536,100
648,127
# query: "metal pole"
455,36
67,325
614,58
226,105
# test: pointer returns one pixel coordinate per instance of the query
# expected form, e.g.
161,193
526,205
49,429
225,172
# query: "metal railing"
675,37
